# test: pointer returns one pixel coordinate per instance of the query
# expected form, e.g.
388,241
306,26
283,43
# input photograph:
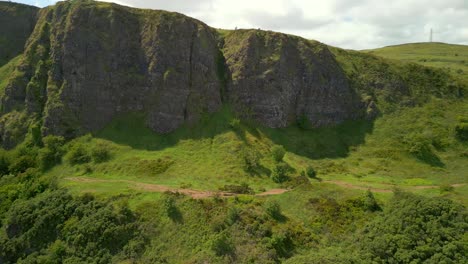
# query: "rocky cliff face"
100,60
279,79
86,62
17,21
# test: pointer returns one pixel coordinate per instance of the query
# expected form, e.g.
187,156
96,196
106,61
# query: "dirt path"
390,186
196,194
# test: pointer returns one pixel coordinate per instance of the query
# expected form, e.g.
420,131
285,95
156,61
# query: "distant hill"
441,55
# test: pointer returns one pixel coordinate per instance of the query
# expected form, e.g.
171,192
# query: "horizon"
338,23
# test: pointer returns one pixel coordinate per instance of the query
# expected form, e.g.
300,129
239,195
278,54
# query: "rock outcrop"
17,21
279,79
86,62
103,59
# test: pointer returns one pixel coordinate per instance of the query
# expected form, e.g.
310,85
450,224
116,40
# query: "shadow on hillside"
327,142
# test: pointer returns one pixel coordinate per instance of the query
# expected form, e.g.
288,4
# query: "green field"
452,57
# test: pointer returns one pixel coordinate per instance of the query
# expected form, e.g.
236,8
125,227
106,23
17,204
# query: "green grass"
6,72
209,155
441,55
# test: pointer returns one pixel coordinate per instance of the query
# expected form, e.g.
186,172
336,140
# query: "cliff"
87,62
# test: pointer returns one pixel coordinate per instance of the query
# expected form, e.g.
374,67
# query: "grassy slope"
440,55
210,155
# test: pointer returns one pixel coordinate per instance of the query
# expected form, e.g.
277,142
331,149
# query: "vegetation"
225,190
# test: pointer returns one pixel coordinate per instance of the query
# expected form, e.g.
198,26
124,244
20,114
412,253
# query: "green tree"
280,172
278,152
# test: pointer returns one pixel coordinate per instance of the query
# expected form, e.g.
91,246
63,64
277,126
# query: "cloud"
355,24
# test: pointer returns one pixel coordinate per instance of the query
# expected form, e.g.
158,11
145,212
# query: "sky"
351,24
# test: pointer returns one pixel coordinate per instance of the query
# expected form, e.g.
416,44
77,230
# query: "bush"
311,172
4,163
461,131
100,153
251,160
418,229
78,154
52,152
222,245
280,172
446,188
170,207
235,124
278,152
273,209
22,164
244,188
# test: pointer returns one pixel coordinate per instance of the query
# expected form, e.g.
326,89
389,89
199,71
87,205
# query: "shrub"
280,172
22,164
4,163
251,160
273,209
100,153
235,124
369,202
446,188
222,245
244,188
233,215
278,153
52,152
170,207
461,131
310,172
78,154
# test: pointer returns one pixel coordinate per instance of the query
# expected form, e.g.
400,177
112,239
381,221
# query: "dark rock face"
87,62
106,59
278,79
17,21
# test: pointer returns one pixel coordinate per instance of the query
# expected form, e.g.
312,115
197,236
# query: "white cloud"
356,24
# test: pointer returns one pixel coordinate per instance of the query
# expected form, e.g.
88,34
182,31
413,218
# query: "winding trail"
199,194
196,194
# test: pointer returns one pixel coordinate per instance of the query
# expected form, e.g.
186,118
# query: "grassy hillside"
391,188
452,57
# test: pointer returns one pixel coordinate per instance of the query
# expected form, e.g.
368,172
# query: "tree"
310,172
278,153
280,172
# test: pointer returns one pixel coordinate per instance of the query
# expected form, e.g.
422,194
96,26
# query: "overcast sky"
353,24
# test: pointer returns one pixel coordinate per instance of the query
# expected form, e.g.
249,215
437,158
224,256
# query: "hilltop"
451,57
146,136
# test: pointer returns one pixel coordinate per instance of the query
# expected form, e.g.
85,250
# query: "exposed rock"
278,79
86,62
107,59
17,21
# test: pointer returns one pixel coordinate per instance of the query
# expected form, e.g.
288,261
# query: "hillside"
146,136
452,57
